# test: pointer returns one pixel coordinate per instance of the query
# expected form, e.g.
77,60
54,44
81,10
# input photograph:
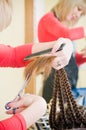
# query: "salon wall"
49,4
11,79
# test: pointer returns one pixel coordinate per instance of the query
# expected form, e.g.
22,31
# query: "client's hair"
38,65
70,115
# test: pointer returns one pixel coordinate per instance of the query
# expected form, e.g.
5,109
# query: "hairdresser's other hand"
26,101
63,56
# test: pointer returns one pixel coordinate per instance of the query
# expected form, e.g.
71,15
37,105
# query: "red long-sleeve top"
14,56
50,29
15,122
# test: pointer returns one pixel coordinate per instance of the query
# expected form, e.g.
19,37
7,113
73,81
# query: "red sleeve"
80,59
16,122
13,57
54,28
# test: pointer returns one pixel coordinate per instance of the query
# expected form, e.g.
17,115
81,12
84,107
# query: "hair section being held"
39,65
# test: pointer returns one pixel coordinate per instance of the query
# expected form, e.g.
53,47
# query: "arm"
13,57
56,29
31,108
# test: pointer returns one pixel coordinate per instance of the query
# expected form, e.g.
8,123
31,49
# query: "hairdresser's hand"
63,56
25,102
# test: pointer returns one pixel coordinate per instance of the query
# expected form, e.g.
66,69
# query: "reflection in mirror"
54,24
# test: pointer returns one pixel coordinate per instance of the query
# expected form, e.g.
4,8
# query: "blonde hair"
63,7
5,13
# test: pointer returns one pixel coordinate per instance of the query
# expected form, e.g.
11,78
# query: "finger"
60,62
59,42
58,54
16,104
58,67
14,110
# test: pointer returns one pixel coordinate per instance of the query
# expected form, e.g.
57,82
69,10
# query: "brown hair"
70,115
